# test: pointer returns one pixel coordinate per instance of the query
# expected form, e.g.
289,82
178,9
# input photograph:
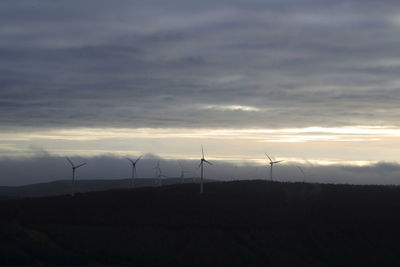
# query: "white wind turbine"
134,162
74,167
202,160
271,163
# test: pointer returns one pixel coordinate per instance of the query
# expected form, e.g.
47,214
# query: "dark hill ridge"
252,223
62,187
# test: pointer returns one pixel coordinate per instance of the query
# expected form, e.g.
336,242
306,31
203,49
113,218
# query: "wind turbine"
183,172
133,169
202,160
302,172
74,167
159,174
271,163
233,177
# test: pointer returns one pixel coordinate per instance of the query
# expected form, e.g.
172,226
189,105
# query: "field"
244,223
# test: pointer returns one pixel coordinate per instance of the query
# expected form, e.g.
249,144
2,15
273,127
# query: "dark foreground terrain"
253,223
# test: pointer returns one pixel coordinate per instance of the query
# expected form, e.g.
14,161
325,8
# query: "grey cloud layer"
153,63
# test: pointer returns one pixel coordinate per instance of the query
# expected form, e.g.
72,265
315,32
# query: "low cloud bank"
46,168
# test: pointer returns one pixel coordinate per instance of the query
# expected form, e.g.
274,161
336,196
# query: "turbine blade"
130,160
268,157
208,162
70,162
202,151
277,161
80,165
138,159
301,170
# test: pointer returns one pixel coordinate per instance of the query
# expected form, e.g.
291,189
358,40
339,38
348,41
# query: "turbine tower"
74,167
134,162
202,160
271,163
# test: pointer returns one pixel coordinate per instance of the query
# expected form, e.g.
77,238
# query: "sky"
313,83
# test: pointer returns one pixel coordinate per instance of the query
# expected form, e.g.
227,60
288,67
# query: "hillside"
62,187
247,223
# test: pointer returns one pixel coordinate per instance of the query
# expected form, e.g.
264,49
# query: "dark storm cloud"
45,168
153,63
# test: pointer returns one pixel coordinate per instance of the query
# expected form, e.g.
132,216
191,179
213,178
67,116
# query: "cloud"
46,168
230,108
147,64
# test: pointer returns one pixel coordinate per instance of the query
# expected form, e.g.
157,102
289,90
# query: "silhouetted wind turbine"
304,174
157,171
236,171
271,163
74,167
159,174
202,160
183,172
133,169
